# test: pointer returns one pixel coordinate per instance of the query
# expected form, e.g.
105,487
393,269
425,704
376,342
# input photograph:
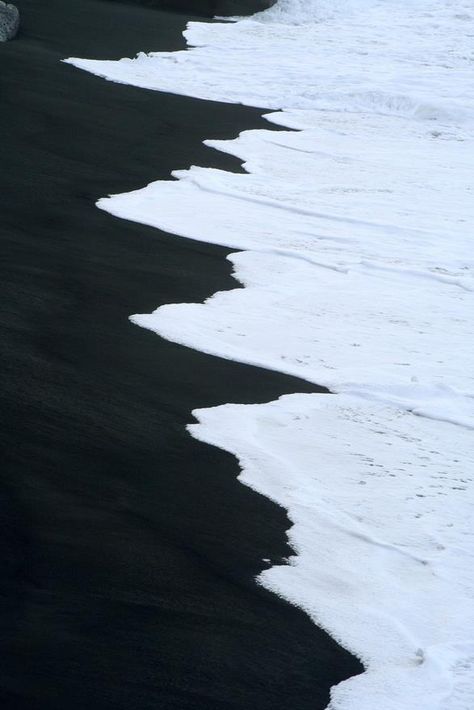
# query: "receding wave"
353,233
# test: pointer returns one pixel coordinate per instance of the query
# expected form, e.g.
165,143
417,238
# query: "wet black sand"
127,549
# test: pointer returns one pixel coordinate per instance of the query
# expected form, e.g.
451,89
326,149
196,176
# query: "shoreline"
342,226
130,549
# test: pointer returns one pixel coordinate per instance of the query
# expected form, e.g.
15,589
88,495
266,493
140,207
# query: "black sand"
127,549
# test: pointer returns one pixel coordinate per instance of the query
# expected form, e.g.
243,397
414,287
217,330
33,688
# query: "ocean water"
353,228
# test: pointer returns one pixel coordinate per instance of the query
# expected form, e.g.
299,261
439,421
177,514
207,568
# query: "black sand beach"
128,549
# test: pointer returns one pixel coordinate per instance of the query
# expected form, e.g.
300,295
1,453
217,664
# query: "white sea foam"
381,510
358,271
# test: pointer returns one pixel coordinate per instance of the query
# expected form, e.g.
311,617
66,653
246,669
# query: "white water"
358,271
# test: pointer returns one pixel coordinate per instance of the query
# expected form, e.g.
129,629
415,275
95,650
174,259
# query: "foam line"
353,233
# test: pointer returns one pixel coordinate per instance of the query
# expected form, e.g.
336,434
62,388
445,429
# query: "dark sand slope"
206,8
128,549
